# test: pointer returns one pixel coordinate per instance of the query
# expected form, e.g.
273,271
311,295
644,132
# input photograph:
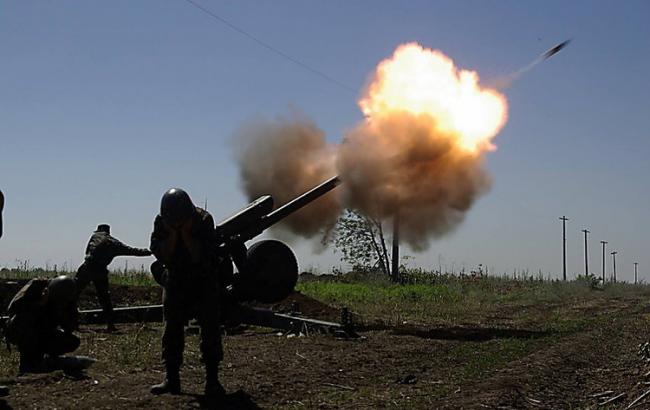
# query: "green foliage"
362,243
119,277
379,293
589,280
428,297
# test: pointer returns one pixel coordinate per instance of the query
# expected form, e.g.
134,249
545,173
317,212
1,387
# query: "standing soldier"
183,240
101,250
42,317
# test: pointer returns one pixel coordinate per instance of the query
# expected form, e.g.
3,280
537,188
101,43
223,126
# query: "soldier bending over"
101,250
183,240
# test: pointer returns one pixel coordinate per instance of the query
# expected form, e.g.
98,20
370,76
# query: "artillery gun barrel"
299,202
290,207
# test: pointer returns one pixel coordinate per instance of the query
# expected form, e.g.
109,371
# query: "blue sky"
104,105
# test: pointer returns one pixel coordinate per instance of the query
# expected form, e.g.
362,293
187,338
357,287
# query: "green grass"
119,277
480,357
446,298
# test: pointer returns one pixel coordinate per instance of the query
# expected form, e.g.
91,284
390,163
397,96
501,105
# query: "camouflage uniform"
101,250
37,328
191,290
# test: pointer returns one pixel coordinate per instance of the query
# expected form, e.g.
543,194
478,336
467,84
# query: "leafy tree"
362,241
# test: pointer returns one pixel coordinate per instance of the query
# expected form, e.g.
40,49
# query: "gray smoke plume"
402,164
398,163
285,158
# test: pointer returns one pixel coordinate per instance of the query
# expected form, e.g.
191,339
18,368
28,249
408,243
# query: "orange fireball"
419,81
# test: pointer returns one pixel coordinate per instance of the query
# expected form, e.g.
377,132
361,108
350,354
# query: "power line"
270,47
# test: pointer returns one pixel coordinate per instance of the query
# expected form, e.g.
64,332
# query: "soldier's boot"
110,316
171,384
214,391
30,363
4,391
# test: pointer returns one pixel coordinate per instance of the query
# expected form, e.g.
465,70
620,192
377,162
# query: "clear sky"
105,105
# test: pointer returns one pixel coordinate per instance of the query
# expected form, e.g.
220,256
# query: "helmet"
104,228
176,206
62,290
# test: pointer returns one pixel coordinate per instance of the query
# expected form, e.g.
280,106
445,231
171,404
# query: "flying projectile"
550,53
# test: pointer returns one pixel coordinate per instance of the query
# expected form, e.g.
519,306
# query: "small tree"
362,241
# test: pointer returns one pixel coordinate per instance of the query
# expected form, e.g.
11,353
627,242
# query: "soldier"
183,240
101,250
42,317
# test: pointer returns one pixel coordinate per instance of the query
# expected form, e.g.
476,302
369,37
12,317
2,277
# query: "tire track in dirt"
566,373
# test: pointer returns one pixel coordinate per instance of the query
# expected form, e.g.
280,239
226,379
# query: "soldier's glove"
159,273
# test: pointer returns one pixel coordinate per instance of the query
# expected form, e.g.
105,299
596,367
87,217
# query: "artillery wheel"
271,271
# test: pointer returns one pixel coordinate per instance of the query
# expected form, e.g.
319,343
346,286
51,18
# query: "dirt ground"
497,362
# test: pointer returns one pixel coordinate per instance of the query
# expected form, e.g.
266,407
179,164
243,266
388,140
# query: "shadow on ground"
237,400
469,334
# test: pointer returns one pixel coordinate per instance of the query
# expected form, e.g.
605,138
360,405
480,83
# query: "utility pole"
636,265
586,232
395,252
564,219
603,243
614,260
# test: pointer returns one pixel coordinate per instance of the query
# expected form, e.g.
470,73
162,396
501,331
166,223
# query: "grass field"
460,298
138,277
433,342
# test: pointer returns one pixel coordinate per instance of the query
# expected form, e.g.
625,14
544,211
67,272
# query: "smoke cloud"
418,155
403,164
285,158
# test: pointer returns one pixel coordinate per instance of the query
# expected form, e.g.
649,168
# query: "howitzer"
269,271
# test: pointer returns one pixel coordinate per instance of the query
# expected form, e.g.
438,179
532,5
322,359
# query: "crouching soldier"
101,250
42,317
183,241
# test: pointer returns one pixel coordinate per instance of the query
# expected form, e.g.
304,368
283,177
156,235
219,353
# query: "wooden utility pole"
614,260
586,232
603,243
395,253
636,265
564,219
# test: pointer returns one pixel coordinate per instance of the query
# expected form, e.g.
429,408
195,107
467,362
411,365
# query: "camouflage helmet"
106,228
176,206
62,290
